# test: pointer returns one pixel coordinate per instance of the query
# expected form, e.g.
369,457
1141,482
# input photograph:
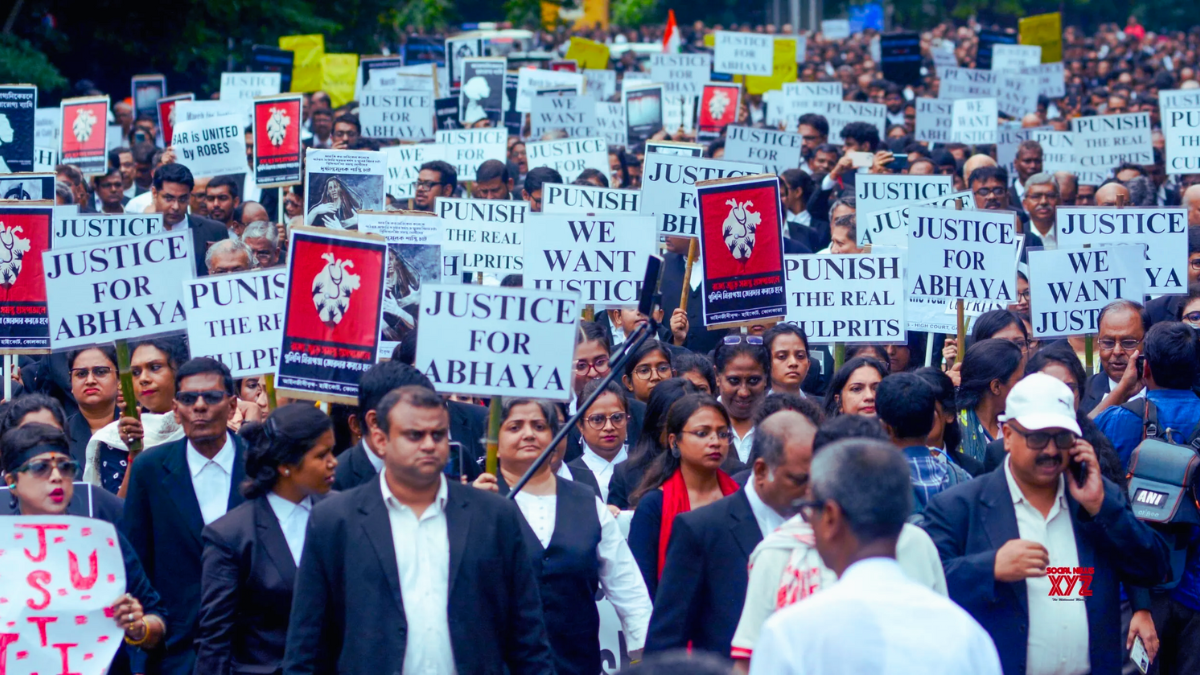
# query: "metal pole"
794,12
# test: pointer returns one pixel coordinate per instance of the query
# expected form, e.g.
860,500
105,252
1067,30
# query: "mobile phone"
1139,656
899,162
861,159
1141,365
1079,471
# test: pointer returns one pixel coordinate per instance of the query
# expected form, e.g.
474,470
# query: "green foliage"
21,62
420,16
633,13
527,13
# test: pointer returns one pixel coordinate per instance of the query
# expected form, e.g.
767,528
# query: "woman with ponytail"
251,553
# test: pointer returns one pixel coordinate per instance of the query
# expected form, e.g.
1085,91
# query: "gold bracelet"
145,635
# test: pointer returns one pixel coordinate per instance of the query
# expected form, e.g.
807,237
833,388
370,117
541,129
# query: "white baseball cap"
1040,401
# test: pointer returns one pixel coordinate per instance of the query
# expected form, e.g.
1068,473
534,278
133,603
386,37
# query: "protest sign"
211,147
237,319
679,113
1044,30
569,157
25,233
70,630
421,78
719,104
741,239
835,29
889,226
240,89
588,53
973,121
601,83
338,72
744,53
414,261
27,186
485,341
1181,129
466,149
570,114
45,159
1058,150
968,83
459,49
340,183
877,191
783,68
18,111
267,59
846,298
777,150
399,115
1103,142
166,113
529,81
306,68
1009,136
46,123
900,57
675,148
72,228
445,111
369,66
1014,58
482,93
146,90
831,91
187,110
490,233
584,199
117,290
404,163
934,116
277,121
1178,98
332,313
681,73
1050,78
83,142
968,255
1068,288
1017,94
841,113
1163,230
944,57
602,256
610,123
668,188
988,39
643,113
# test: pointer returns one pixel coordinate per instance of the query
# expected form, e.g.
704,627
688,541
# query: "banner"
63,575
601,257
878,191
211,147
585,199
332,313
1015,58
482,93
241,89
396,115
1044,30
744,53
588,54
237,319
1068,288
72,228
306,69
1103,142
340,183
529,81
404,163
934,118
486,341
277,145
466,149
1163,230
890,226
777,150
1181,128
668,188
25,233
569,157
490,233
968,83
847,298
973,121
571,114
84,143
18,112
414,261
117,290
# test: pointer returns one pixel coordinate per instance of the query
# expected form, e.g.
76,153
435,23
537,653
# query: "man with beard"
109,194
1027,163
435,179
814,132
223,195
172,191
1041,203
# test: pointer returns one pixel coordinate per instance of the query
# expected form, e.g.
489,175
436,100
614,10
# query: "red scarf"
676,501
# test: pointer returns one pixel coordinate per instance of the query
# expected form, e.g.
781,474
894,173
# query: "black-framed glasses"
42,468
748,339
1128,344
644,371
1025,295
598,420
1193,317
807,508
211,397
994,192
98,372
1194,263
1038,440
600,365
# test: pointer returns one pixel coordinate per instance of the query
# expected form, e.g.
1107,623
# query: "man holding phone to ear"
1036,550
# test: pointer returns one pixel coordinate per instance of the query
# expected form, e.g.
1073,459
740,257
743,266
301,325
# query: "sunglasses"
211,397
42,468
1038,440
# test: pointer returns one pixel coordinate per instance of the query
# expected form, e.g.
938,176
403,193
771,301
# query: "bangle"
145,634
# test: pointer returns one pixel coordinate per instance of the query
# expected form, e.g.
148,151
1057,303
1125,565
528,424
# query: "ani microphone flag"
671,36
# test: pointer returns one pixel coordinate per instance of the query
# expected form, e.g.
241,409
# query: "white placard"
1050,77
72,228
835,29
46,123
241,88
679,112
187,110
404,163
1009,136
466,149
944,58
602,84
490,233
1103,142
610,123
878,191
889,227
602,257
1181,128
777,150
934,119
569,157
237,319
117,290
211,147
486,341
1068,288
1163,230
669,188
583,199
45,159
529,81
1175,98
681,73
400,78
846,298
744,53
1058,150
415,260
973,121
396,115
830,91
571,113
340,183
841,113
969,255
967,83
1015,57
1017,95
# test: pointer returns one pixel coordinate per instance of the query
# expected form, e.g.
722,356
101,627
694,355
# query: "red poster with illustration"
565,65
84,134
741,239
24,235
166,114
331,320
718,109
277,149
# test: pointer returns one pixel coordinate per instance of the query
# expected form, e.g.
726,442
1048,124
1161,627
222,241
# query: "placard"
777,150
1103,142
46,126
84,143
719,105
146,90
211,147
569,157
1163,230
482,92
610,123
846,298
681,73
602,257
1068,288
70,630
187,110
643,105
1058,150
1050,77
890,226
486,341
571,114
25,233
1044,30
404,163
1181,128
277,121
601,83
458,49
681,148
1017,94
968,83
421,77
835,29
237,319
529,81
490,233
369,66
744,53
934,119
586,199
840,113
988,39
679,114
878,191
668,188
831,91
1178,98
445,111
340,183
1014,58
900,57
166,113
18,111
72,228
117,290
466,149
973,121
400,115
414,261
27,186
267,59
590,55
241,89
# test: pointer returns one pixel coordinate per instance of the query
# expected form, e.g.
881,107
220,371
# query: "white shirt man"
212,479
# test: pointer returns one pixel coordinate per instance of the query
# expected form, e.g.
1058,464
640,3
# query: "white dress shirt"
742,444
803,218
293,520
212,479
140,203
768,518
601,468
697,271
619,575
1058,627
375,460
874,620
423,563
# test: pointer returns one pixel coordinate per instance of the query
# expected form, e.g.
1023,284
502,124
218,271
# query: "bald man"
1068,187
1031,120
974,162
1112,194
1191,201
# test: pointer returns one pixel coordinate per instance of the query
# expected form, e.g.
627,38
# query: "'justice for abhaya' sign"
778,150
496,341
846,298
1068,288
889,227
1162,230
601,256
875,192
238,319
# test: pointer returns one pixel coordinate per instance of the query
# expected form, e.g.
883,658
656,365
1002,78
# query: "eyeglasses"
1193,317
807,508
426,184
211,397
97,372
42,468
644,371
703,434
995,192
1127,345
1021,342
1038,440
1194,263
597,421
600,365
748,339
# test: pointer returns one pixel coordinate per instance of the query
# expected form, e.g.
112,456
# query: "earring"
13,503
675,450
286,472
